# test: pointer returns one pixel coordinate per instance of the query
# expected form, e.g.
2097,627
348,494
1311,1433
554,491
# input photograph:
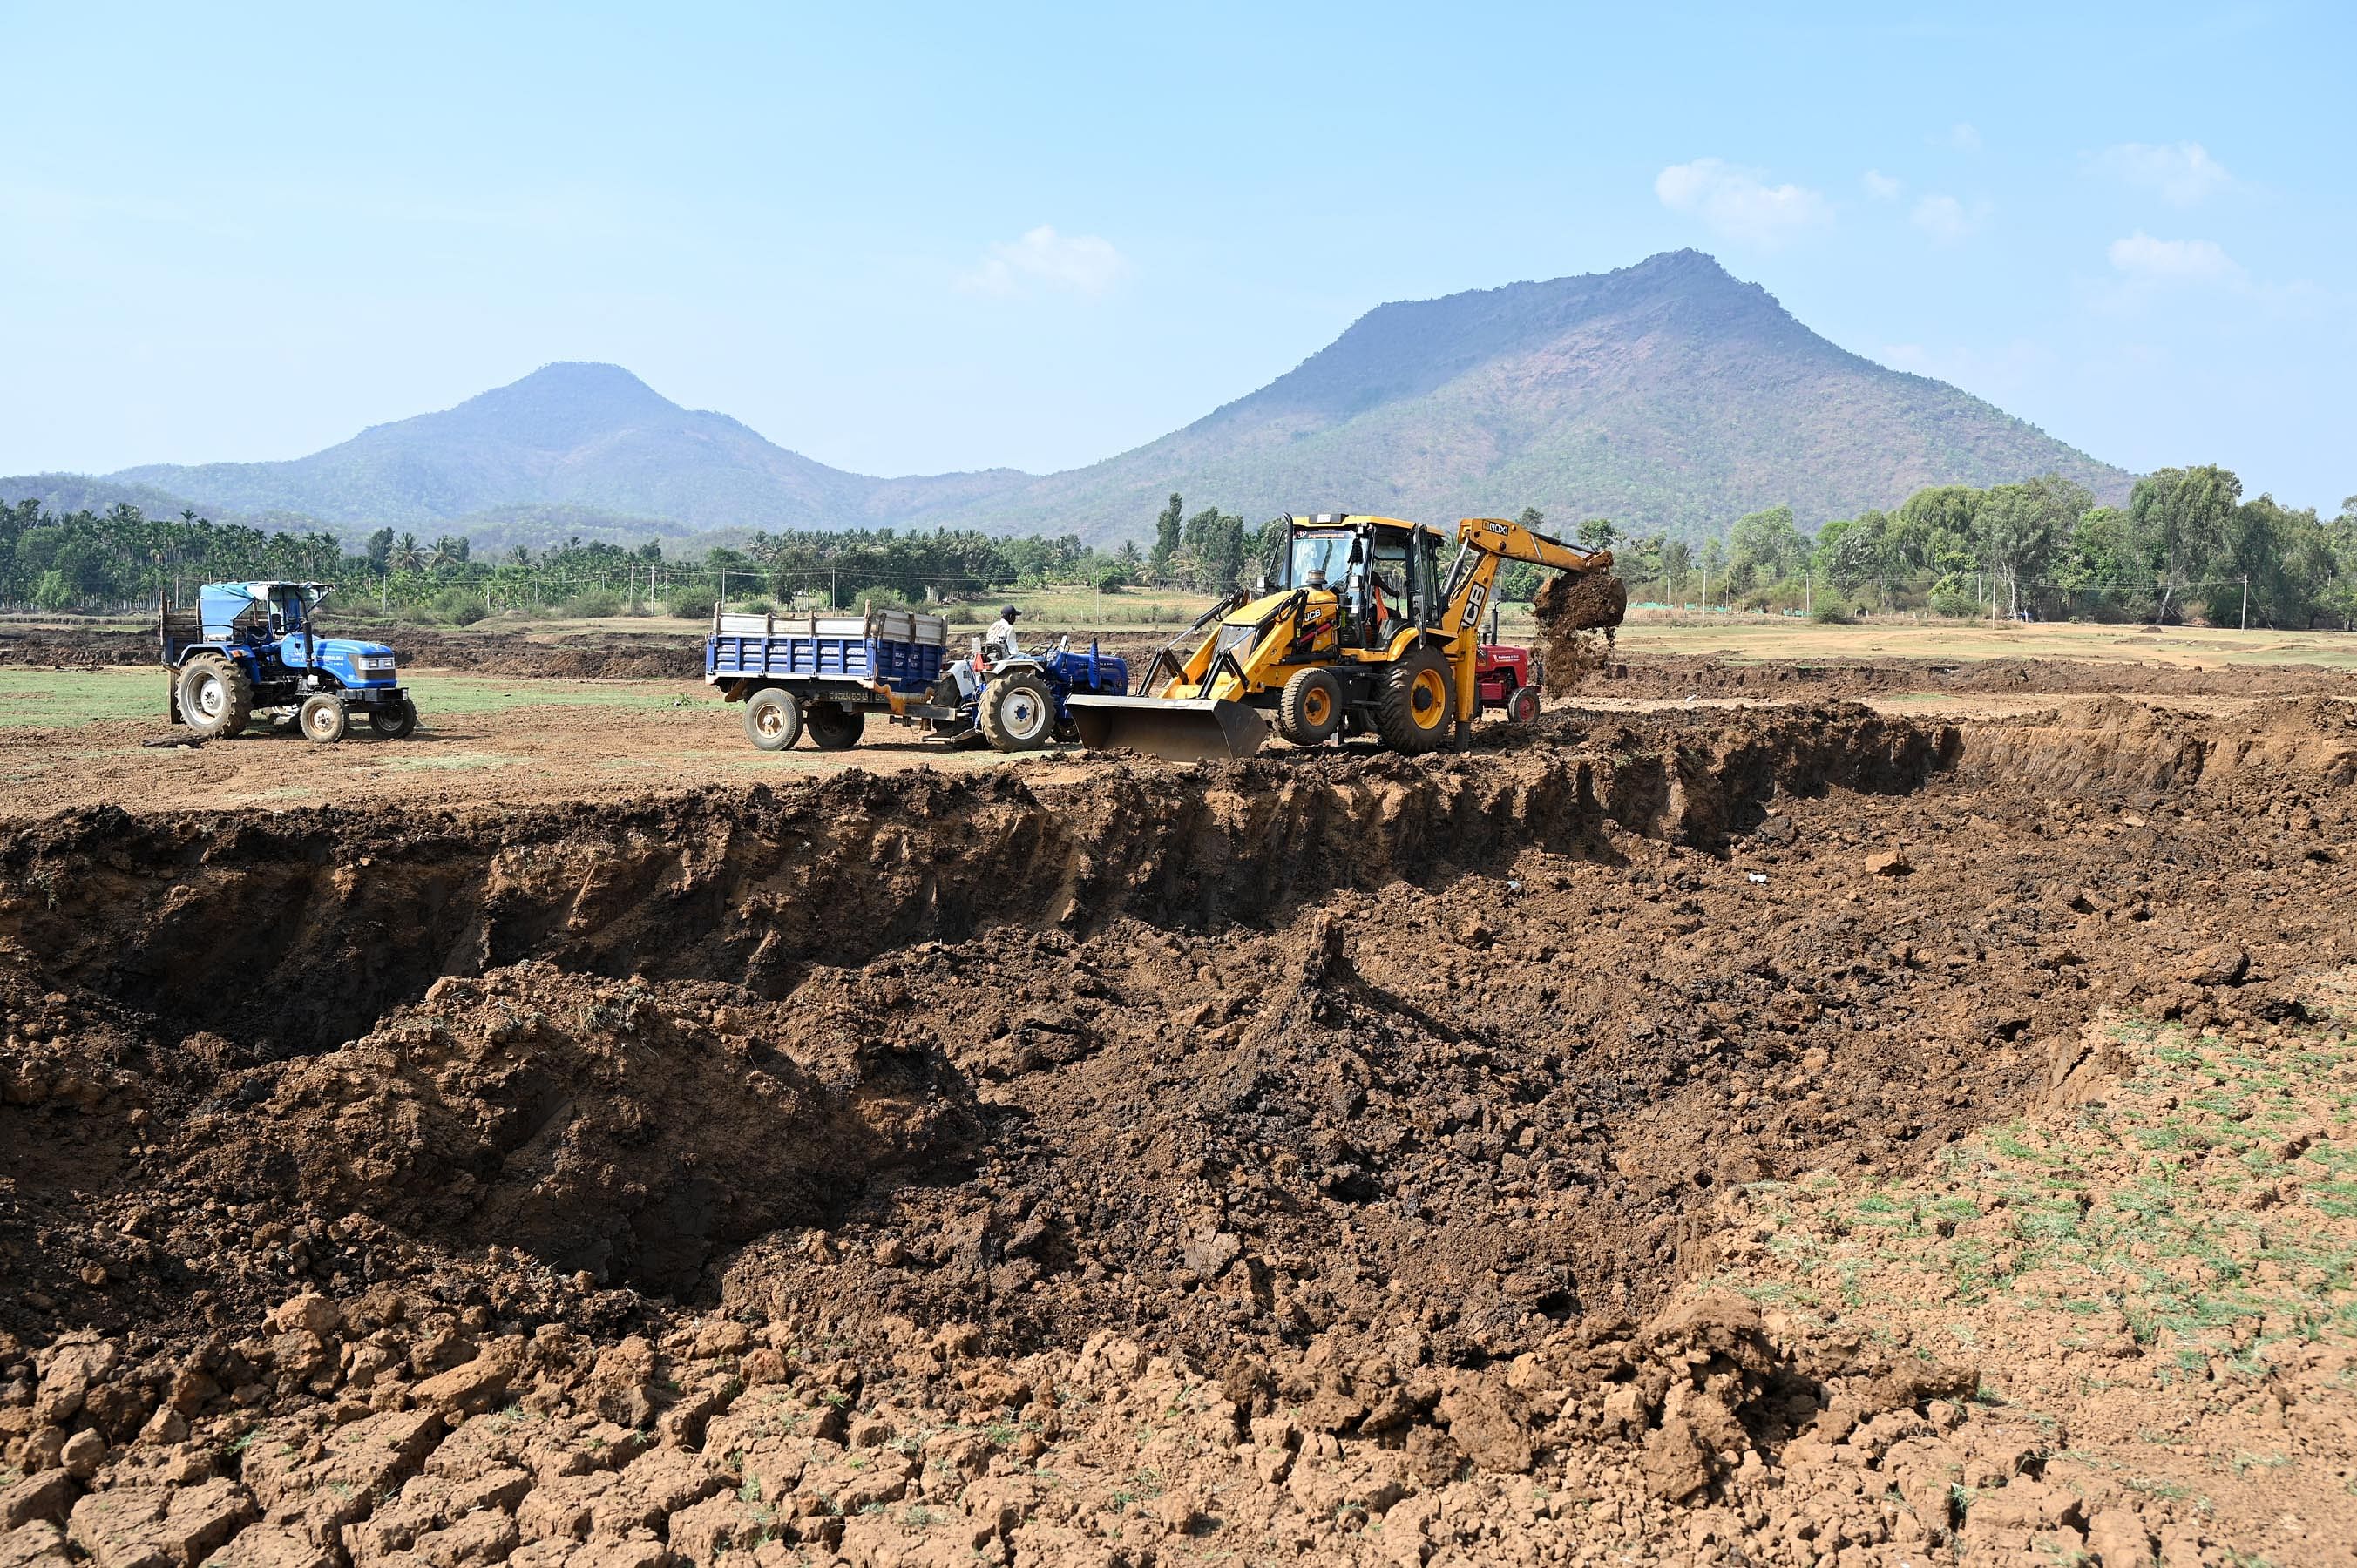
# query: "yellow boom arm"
1481,543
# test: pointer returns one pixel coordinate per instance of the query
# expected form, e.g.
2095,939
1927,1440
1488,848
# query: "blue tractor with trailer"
824,674
244,648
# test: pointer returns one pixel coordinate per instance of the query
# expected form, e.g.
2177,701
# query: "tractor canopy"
253,612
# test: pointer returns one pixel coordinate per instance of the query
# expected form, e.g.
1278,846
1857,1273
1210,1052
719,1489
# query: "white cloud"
1883,187
1739,202
2183,174
1080,263
1947,220
1964,136
2143,259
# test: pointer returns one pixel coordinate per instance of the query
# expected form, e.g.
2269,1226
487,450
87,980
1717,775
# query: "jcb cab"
1359,627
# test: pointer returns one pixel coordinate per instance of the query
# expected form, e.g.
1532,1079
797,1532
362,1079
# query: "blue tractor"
250,647
1018,703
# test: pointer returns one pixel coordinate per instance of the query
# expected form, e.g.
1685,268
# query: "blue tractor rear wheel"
1019,712
216,696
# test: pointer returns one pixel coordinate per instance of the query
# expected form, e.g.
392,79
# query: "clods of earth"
1776,1136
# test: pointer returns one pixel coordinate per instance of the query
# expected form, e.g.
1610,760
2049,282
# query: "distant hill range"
1666,395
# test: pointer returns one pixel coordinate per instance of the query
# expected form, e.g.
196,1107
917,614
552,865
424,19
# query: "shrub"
1831,611
51,593
592,602
458,607
1951,597
755,607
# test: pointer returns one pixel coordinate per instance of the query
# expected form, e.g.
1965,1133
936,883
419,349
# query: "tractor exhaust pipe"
1184,730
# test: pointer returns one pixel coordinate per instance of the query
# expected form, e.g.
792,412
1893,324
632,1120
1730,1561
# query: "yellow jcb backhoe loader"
1356,629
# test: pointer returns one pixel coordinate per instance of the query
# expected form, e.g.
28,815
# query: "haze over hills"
1665,395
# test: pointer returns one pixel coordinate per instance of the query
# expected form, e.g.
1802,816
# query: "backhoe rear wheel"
834,726
216,696
1412,710
1309,709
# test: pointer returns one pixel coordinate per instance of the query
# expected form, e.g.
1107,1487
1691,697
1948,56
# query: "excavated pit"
1390,1094
1223,1053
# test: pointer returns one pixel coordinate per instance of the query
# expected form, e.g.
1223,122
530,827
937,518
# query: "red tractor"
1508,677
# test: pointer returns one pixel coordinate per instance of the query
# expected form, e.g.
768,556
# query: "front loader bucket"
1184,730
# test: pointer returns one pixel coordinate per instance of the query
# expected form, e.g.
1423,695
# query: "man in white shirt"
1000,643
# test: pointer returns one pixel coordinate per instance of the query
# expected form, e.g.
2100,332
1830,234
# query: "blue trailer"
822,675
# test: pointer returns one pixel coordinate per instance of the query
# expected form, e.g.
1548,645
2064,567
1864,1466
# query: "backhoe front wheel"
323,720
1309,709
216,697
1018,713
773,720
1412,710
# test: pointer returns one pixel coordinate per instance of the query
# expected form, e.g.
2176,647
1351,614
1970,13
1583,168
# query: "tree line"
2187,543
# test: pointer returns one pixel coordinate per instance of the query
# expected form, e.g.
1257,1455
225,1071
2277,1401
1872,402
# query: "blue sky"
919,238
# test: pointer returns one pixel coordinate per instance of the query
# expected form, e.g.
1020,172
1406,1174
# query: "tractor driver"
1000,643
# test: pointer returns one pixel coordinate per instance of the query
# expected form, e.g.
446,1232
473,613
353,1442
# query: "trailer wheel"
1523,705
1018,713
324,720
395,723
1412,709
834,726
1309,709
773,720
216,696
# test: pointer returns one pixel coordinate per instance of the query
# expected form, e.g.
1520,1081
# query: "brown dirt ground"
1728,1135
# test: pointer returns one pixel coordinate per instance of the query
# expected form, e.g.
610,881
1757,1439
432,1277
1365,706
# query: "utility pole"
2246,601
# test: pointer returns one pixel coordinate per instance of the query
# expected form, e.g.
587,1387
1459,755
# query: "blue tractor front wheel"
395,722
323,720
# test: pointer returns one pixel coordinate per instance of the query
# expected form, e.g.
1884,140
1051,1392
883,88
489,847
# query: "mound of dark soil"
617,1127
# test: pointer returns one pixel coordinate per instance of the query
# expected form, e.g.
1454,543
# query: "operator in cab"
1000,643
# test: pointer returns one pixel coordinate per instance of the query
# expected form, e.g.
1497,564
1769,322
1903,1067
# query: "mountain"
81,492
589,438
1665,395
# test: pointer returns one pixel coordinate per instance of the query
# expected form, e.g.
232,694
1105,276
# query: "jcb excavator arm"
1483,542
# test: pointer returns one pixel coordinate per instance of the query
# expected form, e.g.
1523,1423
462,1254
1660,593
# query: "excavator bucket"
1184,730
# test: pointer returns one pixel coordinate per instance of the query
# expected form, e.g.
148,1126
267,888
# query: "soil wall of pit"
293,931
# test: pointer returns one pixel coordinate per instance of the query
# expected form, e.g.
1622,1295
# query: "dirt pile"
1577,614
620,1128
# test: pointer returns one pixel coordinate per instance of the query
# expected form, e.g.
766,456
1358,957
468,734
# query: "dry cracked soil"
1786,1134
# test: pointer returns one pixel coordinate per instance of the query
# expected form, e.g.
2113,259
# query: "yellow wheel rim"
1428,698
1317,705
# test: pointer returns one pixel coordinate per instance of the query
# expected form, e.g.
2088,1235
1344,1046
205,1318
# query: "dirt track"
1324,1157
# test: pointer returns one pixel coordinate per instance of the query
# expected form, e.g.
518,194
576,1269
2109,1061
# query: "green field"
49,698
1789,639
